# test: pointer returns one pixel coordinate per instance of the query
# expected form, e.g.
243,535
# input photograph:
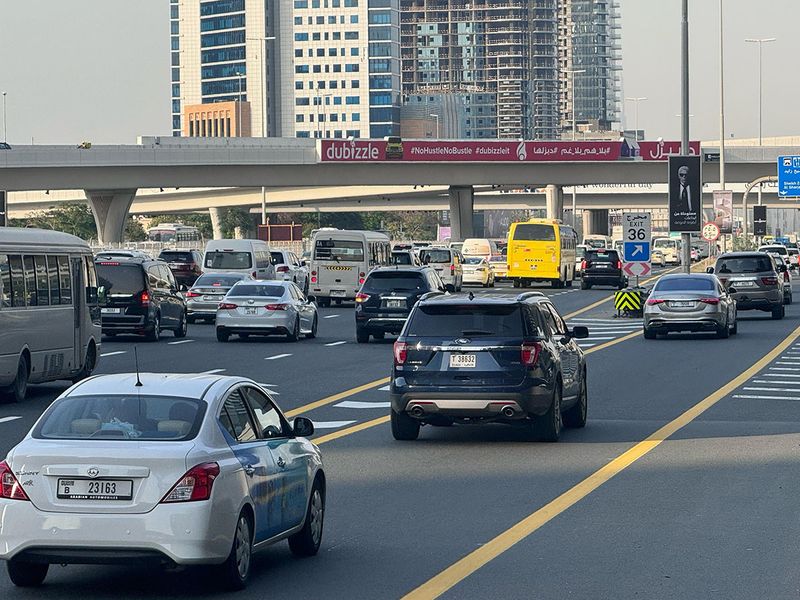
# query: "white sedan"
168,469
477,270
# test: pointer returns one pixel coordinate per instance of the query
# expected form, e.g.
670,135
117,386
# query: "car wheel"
404,428
236,569
362,335
778,313
295,333
26,574
88,364
324,302
305,287
18,389
486,285
724,332
585,285
621,285
788,299
547,428
180,332
516,283
155,334
575,417
569,283
313,332
379,335
306,542
649,334
735,328
190,319
222,335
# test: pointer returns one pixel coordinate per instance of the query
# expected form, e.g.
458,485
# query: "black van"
141,297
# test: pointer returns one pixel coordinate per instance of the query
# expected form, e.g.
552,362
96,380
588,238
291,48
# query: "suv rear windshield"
179,257
465,320
745,264
217,280
121,417
228,260
434,256
117,278
530,232
602,256
388,281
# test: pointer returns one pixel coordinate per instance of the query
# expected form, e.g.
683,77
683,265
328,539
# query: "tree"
134,232
234,217
72,217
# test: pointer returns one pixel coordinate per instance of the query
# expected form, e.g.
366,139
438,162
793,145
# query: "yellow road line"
354,429
612,342
473,561
340,396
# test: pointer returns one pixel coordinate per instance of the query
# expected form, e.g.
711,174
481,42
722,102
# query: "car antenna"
136,361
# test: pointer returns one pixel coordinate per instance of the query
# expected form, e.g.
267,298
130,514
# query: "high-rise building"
589,44
500,54
305,68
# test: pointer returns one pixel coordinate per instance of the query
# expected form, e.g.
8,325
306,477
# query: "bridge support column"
461,205
216,228
110,209
554,201
595,222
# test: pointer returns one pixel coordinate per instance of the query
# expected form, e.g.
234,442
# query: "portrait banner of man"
723,210
685,194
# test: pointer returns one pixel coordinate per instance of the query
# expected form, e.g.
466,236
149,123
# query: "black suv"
602,267
141,297
186,265
508,359
388,295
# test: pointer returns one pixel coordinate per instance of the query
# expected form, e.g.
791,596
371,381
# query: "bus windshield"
337,250
532,232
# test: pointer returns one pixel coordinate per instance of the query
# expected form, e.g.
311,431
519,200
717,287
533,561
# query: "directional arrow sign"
636,269
636,234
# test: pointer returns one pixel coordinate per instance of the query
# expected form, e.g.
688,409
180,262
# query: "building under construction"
499,57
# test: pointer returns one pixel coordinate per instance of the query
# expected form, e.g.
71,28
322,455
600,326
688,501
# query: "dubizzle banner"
466,151
661,150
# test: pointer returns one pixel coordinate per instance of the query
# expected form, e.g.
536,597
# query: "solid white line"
277,356
330,317
180,342
7,419
212,371
784,369
770,389
113,353
357,404
385,388
592,338
331,424
778,375
764,397
335,343
780,362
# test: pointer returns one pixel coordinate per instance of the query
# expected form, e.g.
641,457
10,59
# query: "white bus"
49,309
173,233
341,260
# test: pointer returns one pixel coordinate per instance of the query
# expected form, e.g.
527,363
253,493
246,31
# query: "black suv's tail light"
530,353
145,299
769,280
400,353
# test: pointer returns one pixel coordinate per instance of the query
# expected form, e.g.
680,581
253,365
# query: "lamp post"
5,130
263,113
760,42
572,73
240,75
636,114
435,116
686,238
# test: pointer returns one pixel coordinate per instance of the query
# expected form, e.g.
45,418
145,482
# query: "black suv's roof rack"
428,295
526,295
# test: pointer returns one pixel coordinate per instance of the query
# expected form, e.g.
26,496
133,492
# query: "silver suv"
753,280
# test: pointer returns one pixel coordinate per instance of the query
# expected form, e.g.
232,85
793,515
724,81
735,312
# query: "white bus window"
42,287
337,250
30,281
17,280
52,275
90,275
5,282
65,279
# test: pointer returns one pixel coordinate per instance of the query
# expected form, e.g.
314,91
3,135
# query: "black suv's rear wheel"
778,313
26,574
404,427
155,334
362,335
180,332
547,428
576,416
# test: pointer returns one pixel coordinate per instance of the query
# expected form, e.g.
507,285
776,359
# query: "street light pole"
686,238
435,116
722,117
760,42
239,108
572,73
263,115
636,115
5,130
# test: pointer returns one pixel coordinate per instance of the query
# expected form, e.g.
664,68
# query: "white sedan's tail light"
9,486
195,485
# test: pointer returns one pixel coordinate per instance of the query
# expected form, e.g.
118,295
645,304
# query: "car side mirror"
183,288
102,296
580,332
312,299
710,270
450,288
302,427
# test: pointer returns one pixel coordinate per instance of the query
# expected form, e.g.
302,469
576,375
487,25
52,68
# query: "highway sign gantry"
789,176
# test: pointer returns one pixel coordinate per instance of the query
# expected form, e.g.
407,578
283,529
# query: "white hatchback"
163,469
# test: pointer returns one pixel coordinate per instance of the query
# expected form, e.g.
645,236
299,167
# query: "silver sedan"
694,302
203,297
266,308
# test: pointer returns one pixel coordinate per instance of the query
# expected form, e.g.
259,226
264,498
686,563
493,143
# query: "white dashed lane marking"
113,353
179,342
213,371
7,419
330,317
336,343
277,356
357,404
331,424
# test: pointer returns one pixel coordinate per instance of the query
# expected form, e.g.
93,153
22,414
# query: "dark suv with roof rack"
469,359
387,297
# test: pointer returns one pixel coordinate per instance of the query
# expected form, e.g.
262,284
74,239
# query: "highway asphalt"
682,485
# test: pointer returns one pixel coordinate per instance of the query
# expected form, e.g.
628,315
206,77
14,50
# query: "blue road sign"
637,251
789,176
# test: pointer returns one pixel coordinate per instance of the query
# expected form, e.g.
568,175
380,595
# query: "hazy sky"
98,70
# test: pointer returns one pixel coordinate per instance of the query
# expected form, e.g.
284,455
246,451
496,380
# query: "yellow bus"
541,250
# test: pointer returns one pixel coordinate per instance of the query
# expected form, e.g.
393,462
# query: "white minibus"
251,257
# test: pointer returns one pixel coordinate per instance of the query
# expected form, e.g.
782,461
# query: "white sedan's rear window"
122,417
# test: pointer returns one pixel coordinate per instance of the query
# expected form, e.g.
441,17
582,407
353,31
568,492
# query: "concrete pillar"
461,204
595,222
110,209
216,228
554,201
